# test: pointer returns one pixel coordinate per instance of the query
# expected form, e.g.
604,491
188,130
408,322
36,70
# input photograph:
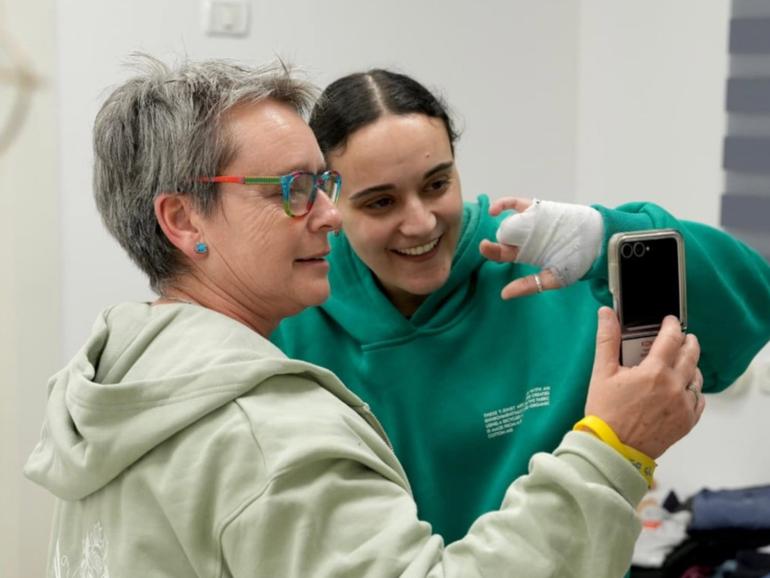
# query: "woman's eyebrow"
389,186
439,168
374,189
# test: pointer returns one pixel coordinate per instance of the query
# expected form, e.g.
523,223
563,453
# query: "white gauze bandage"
562,237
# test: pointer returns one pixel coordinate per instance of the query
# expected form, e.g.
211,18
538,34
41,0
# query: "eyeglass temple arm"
242,180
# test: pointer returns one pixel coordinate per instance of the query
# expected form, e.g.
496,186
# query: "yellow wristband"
642,462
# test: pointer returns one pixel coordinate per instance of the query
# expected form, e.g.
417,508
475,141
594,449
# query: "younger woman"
468,386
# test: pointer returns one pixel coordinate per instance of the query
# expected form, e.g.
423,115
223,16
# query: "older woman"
180,442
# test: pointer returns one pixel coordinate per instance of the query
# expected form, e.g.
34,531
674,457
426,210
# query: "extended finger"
668,342
498,251
517,204
528,285
689,355
606,357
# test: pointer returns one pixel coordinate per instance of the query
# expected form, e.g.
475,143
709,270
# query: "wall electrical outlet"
226,17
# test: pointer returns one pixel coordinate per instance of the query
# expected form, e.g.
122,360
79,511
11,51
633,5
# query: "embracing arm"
728,284
728,289
573,515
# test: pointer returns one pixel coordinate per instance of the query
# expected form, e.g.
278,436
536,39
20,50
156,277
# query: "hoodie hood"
145,374
355,291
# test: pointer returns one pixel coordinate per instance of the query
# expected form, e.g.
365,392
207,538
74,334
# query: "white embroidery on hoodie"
93,562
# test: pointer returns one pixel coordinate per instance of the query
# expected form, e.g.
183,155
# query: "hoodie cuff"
616,221
596,462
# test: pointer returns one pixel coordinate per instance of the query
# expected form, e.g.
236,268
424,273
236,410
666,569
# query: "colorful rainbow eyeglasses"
299,189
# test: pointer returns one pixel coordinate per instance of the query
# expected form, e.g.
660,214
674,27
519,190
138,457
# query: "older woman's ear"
178,221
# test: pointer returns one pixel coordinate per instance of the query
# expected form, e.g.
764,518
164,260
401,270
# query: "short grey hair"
162,130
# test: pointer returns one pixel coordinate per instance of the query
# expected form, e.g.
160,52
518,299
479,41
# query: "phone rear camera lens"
626,250
639,249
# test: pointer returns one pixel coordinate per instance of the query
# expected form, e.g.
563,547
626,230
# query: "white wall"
651,104
29,298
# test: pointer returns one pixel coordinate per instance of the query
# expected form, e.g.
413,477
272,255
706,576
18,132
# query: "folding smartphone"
647,281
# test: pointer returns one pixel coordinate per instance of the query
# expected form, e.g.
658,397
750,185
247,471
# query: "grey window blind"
746,201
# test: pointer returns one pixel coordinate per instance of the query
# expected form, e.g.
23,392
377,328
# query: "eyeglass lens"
300,193
302,190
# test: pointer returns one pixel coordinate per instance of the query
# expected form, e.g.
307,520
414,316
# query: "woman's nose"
418,219
324,215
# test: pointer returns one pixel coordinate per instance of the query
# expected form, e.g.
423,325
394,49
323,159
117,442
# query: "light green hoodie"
180,443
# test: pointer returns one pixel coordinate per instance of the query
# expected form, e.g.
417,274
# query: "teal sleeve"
728,289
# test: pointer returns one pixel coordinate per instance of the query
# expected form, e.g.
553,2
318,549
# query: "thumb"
606,359
490,250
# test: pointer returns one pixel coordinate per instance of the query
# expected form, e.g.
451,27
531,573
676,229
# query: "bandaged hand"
563,239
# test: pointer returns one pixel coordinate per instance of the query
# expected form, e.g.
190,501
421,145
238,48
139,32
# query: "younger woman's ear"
178,221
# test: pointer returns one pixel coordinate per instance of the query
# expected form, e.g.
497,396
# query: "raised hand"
562,238
656,403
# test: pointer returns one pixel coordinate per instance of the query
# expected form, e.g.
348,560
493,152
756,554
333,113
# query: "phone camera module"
639,249
626,250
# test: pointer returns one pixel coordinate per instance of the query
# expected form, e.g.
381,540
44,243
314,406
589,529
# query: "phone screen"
649,281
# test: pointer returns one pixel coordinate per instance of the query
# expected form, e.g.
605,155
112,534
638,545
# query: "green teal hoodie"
180,443
470,386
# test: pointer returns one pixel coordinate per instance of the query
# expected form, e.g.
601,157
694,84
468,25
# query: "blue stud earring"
201,248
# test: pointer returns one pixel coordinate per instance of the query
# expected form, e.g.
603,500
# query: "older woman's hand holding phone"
654,404
641,410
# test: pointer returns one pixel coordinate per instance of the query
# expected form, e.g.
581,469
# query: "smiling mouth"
419,250
321,257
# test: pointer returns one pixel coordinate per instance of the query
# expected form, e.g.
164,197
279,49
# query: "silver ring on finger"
694,388
538,282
